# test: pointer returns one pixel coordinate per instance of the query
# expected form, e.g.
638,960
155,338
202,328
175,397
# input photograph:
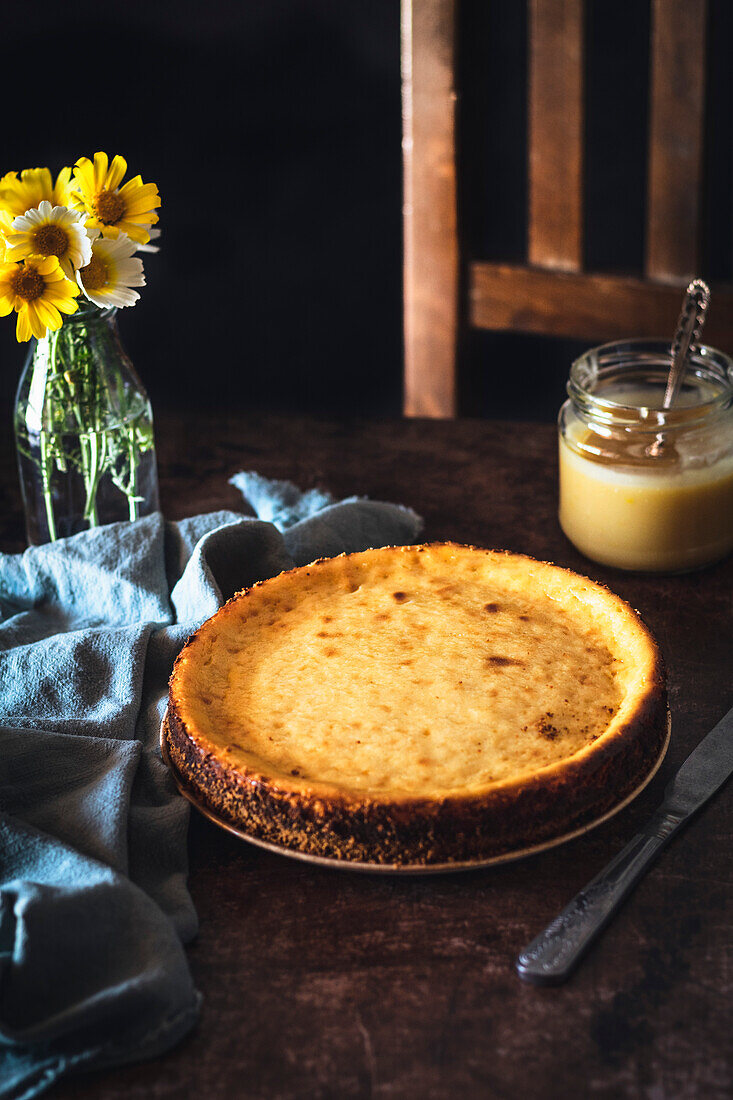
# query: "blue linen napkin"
94,908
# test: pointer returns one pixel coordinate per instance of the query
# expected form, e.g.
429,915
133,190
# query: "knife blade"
551,957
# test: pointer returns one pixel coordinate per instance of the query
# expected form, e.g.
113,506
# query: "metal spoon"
689,329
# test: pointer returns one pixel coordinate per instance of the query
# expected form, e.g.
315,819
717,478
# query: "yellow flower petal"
140,205
84,171
61,292
135,232
65,305
132,185
38,328
116,173
46,313
16,252
23,330
48,265
148,218
100,170
62,191
19,195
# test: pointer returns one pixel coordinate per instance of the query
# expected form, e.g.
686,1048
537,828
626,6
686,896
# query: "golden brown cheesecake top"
413,672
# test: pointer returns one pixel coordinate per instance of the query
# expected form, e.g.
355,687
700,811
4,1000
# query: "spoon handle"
689,328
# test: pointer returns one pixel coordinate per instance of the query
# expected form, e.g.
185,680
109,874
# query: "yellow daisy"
112,272
50,231
39,293
113,209
34,186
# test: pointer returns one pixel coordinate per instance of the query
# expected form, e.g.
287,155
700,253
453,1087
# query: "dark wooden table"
327,984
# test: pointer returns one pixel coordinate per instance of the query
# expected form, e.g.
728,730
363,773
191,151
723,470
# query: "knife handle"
551,956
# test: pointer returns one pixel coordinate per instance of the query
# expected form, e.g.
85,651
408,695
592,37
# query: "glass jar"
643,487
83,431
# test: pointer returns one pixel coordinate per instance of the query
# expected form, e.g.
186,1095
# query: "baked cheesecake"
418,704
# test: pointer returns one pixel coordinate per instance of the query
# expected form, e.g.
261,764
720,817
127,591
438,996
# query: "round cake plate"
408,868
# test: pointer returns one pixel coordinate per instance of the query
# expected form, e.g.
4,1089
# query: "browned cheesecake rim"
197,800
585,762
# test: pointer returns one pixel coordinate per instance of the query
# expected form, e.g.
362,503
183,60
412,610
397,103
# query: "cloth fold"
94,908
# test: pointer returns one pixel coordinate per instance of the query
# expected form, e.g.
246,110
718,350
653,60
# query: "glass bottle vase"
83,431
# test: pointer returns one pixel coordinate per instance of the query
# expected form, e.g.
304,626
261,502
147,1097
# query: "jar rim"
642,356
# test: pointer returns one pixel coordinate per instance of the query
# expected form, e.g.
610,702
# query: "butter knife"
550,958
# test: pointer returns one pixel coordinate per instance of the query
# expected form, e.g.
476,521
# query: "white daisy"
48,230
111,273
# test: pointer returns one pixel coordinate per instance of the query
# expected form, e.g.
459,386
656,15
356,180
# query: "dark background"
273,130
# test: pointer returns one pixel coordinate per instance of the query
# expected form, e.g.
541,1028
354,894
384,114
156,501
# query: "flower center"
27,284
109,207
94,275
50,240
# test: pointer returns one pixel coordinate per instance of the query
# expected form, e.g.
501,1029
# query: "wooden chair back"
551,293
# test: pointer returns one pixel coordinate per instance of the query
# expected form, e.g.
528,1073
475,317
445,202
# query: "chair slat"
556,134
430,229
676,129
509,298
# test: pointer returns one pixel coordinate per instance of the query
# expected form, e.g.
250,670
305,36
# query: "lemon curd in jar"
643,487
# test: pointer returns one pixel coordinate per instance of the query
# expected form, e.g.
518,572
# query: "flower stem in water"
46,483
